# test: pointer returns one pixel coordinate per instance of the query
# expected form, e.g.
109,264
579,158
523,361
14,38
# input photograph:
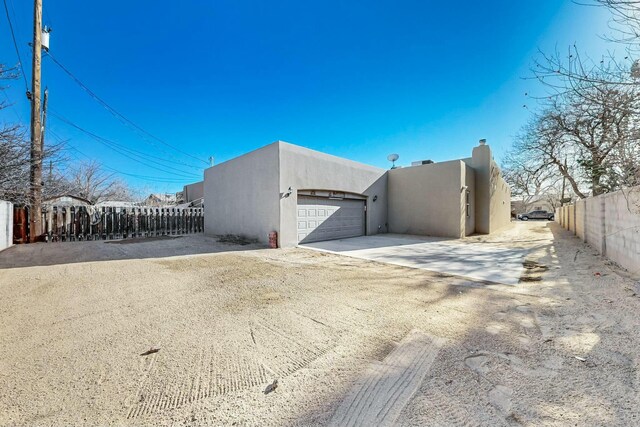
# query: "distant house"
158,199
180,197
66,200
192,192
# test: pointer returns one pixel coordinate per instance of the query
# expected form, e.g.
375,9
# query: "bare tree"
14,151
586,130
625,21
14,164
89,181
531,181
15,157
588,137
621,68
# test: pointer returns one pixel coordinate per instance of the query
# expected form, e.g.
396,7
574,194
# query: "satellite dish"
392,158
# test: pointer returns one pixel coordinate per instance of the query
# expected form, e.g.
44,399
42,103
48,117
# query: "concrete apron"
478,261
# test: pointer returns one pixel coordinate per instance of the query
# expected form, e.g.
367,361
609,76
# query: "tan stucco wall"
500,204
193,191
480,161
241,195
304,169
428,199
492,194
469,219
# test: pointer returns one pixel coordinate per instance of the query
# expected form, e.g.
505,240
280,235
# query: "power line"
141,154
120,149
15,45
117,114
138,153
143,177
25,47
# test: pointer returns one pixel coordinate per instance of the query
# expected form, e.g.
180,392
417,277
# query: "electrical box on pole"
45,38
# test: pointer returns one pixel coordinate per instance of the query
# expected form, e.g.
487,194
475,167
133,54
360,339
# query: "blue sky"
360,80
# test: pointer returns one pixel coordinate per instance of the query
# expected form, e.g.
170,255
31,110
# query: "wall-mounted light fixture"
287,193
375,197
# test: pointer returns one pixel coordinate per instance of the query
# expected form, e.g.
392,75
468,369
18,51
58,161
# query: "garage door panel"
327,219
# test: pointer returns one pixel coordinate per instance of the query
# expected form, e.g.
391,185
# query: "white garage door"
327,219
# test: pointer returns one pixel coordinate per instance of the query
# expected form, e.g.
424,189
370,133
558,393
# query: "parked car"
536,215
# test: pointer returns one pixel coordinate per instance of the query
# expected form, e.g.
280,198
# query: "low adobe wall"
610,223
6,224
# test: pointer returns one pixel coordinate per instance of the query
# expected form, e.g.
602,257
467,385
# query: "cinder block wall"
610,223
622,228
6,224
572,218
580,218
593,227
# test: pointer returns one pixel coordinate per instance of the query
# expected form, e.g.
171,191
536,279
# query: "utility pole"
35,212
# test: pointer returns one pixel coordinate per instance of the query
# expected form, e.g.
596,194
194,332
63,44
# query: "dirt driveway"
349,341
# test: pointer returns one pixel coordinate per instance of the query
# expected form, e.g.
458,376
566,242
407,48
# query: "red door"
20,222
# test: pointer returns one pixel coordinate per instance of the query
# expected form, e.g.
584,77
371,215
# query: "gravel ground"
78,340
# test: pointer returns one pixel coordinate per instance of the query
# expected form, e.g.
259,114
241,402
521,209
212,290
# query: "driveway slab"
450,256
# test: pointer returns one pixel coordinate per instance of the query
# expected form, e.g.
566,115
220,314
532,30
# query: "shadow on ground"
45,254
556,352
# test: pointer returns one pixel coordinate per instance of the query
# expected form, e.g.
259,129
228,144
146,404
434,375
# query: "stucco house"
193,192
307,196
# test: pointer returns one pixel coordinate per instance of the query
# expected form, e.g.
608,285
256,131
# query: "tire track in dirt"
269,351
284,352
384,390
210,375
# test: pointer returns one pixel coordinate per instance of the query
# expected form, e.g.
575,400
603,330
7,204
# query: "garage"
329,218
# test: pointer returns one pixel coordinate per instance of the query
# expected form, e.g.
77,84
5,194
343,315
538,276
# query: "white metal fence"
6,224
